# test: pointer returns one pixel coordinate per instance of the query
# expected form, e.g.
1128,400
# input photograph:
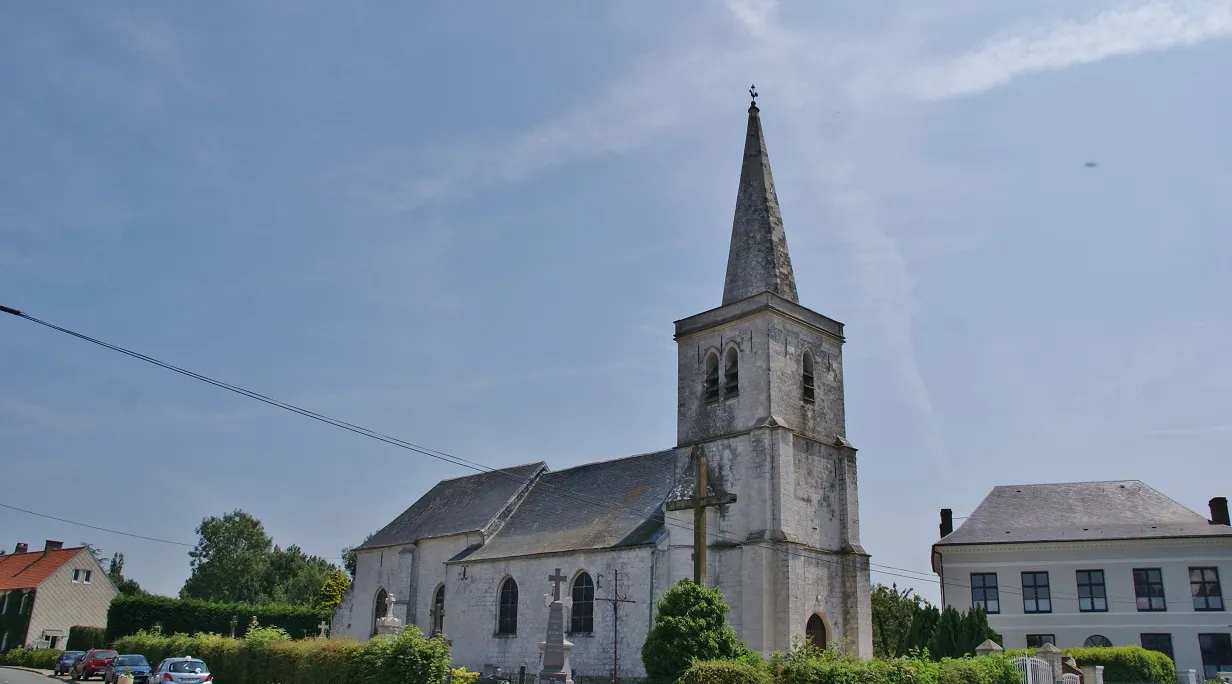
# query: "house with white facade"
1094,564
44,593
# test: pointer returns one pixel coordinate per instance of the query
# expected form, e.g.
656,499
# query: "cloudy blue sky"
471,226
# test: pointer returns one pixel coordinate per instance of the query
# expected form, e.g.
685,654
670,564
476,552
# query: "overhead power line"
888,570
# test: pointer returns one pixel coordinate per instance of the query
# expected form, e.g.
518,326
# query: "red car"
92,663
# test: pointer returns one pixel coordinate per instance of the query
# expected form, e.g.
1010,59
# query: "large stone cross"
556,579
699,502
322,627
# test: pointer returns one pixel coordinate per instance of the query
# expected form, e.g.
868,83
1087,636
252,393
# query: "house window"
711,386
1216,654
1037,640
1036,595
1092,594
810,383
1149,589
731,374
87,577
76,576
438,610
507,619
1204,585
5,608
582,614
984,592
24,595
1097,641
1161,643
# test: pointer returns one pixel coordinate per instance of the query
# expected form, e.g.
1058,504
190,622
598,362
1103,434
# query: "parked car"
92,662
65,663
135,665
186,670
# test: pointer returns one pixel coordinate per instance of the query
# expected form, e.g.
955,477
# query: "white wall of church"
388,568
471,610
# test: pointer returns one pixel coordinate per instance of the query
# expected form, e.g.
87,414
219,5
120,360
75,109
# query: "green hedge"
131,614
41,659
1127,663
408,656
805,665
82,638
724,672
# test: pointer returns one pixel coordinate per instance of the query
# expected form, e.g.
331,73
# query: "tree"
230,561
331,593
923,625
293,577
690,624
894,613
350,557
116,574
94,551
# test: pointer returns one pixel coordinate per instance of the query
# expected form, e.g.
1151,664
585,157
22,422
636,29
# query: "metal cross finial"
753,94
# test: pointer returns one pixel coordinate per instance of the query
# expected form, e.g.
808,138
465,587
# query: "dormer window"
731,374
711,388
810,383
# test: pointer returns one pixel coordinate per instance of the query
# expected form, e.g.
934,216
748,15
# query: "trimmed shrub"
407,656
85,638
1127,663
724,672
977,670
804,664
131,614
690,624
41,659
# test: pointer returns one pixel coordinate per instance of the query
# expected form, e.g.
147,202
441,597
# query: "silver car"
186,670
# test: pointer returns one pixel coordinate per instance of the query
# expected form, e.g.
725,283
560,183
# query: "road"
10,676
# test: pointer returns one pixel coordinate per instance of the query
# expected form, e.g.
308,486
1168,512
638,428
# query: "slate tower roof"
757,260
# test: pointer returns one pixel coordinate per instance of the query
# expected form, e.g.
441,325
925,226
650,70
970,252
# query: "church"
761,466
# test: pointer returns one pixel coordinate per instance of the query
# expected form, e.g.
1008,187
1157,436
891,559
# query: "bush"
978,670
85,638
804,664
724,672
461,675
131,614
690,624
41,659
407,656
1127,663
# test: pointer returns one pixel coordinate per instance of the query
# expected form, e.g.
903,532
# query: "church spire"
757,260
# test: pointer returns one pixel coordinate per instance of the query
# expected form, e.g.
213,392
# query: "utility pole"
616,600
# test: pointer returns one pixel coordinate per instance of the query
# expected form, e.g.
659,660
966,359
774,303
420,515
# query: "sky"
471,226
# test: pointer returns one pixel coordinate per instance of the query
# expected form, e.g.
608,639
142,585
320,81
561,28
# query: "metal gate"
1070,678
1035,670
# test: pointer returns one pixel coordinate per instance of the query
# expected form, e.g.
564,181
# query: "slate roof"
1079,511
456,506
28,570
598,505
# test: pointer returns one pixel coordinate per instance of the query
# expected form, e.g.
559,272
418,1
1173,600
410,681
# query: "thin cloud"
1190,431
1110,33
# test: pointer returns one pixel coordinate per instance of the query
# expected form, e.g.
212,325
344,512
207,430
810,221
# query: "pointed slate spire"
757,260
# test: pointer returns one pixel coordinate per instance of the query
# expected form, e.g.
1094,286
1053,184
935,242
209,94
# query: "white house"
1094,563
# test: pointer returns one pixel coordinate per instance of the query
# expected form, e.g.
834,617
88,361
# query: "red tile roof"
28,570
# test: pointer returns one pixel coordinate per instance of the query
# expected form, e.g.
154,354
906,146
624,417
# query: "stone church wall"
471,610
389,568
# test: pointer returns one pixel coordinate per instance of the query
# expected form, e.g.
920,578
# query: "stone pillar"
1093,674
989,647
1052,654
1187,677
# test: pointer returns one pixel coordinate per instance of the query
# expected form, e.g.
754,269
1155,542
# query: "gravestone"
322,626
389,623
555,648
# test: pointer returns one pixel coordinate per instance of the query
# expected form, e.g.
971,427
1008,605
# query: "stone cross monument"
389,623
555,648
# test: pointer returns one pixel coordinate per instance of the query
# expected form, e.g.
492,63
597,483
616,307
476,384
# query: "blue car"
65,663
135,665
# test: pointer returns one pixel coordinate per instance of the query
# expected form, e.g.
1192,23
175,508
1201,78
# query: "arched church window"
810,386
582,615
507,618
815,631
712,378
438,611
1097,640
378,607
731,374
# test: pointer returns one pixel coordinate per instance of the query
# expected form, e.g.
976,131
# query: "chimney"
1219,511
947,522
52,546
21,547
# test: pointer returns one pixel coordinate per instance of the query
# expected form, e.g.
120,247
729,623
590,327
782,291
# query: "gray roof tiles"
456,506
598,505
1079,511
